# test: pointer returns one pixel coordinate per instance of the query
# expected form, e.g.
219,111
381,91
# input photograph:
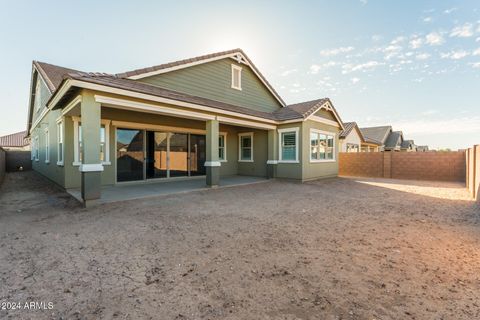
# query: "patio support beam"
212,164
91,166
272,153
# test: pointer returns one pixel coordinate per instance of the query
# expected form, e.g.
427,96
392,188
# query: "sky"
414,65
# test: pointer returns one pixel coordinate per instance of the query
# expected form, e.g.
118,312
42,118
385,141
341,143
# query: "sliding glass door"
130,155
153,155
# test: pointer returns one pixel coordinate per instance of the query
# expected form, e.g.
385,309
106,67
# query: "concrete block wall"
472,175
2,165
436,166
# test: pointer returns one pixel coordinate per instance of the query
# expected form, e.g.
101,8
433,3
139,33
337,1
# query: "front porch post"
91,166
212,164
272,154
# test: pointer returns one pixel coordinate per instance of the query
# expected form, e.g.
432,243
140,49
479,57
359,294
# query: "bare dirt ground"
332,249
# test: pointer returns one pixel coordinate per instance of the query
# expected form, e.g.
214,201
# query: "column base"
213,176
271,169
91,185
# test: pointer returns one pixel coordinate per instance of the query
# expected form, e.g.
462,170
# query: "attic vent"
236,77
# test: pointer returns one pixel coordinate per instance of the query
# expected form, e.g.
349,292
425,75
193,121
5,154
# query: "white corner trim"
91,167
212,164
272,161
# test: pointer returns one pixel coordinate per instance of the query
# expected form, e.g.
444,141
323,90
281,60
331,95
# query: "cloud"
391,51
448,11
416,43
418,80
439,126
434,39
429,112
397,40
454,55
363,2
478,39
464,31
422,56
370,65
476,52
288,72
428,19
315,68
354,80
475,64
335,51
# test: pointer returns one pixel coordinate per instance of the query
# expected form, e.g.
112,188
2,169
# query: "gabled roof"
307,109
349,126
14,140
394,140
377,134
407,144
237,54
53,75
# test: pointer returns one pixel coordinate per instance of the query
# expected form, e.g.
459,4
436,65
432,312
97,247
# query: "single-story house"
422,148
377,135
394,141
15,142
353,140
408,146
212,116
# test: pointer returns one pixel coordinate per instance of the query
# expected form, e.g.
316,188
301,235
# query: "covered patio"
132,191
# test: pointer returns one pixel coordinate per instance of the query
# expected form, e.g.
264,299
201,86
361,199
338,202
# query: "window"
47,146
37,97
222,149
36,148
351,147
236,77
322,146
288,139
60,143
245,152
104,142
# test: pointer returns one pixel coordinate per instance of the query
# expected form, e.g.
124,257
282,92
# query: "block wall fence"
472,174
435,166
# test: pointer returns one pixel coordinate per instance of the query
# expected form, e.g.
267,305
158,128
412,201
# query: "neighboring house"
377,135
422,148
394,141
352,140
408,146
15,142
213,116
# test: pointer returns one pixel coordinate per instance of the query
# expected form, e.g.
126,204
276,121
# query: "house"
352,139
394,141
422,148
408,146
15,142
378,135
209,116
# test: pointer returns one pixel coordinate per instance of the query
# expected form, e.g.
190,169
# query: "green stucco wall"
212,80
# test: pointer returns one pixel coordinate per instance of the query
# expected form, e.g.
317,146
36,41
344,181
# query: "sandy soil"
332,249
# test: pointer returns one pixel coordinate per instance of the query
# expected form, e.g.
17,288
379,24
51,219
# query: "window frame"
38,94
224,136
47,145
327,133
295,130
240,136
60,142
239,69
36,155
76,141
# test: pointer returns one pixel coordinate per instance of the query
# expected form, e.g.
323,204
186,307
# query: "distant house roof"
407,144
394,140
14,140
348,127
422,148
376,134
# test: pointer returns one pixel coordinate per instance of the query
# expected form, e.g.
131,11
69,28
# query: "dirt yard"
332,249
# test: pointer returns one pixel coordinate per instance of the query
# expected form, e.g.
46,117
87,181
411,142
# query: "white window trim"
37,150
47,146
224,134
239,69
296,130
240,135
76,151
334,146
38,89
60,139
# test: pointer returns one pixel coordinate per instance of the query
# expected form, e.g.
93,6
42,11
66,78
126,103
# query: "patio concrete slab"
139,190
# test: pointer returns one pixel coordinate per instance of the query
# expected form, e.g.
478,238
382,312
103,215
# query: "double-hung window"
322,146
60,143
104,142
37,149
288,139
47,146
222,147
245,143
